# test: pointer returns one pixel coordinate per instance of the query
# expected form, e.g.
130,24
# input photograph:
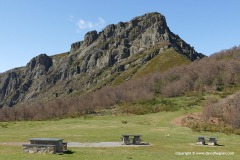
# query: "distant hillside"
118,53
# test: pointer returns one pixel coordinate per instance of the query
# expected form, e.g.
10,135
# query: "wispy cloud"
71,18
83,24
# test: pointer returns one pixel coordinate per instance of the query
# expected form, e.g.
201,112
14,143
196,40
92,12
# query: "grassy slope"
153,127
166,60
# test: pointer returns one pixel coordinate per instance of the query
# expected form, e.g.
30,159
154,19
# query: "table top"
206,137
131,135
45,139
37,145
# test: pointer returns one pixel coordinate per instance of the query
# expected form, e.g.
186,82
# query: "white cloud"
82,24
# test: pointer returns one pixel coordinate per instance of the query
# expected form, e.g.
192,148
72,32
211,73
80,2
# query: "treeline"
214,73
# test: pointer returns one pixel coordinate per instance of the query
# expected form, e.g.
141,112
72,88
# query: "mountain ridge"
101,56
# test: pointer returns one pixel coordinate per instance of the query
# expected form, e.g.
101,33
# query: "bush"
149,106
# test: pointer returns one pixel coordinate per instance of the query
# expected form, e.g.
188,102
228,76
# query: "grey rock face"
9,84
76,46
90,37
99,57
38,66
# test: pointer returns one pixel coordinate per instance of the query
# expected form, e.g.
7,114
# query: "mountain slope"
119,50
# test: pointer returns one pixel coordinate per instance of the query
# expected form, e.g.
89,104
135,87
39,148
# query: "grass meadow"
167,140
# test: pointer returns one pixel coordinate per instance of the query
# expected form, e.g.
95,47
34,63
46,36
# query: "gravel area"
98,144
102,144
13,143
78,144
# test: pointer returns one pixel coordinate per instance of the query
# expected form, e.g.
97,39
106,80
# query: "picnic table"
201,140
212,141
131,139
57,142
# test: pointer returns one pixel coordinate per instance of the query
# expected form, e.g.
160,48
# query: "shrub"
149,106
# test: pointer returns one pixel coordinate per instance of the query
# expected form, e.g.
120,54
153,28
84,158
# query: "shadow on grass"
67,152
220,145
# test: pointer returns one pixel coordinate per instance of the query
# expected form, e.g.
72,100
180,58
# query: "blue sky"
31,27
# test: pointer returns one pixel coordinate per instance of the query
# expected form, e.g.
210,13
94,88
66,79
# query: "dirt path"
178,121
183,120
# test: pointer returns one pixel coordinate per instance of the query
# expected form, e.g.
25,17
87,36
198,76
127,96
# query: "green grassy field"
155,129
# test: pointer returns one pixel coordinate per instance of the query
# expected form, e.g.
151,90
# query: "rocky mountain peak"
96,61
125,30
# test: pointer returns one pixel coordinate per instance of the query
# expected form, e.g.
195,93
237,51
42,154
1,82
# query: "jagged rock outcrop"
38,66
93,62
